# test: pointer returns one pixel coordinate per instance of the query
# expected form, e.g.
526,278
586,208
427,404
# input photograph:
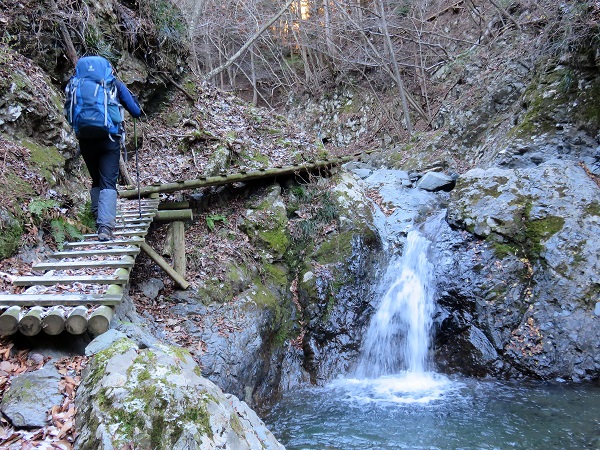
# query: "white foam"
403,388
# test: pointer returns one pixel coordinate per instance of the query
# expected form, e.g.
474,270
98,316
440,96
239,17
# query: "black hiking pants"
101,157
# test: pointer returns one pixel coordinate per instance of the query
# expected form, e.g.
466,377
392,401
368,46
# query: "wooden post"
167,248
179,259
53,322
173,215
99,320
31,323
173,205
9,321
77,320
164,265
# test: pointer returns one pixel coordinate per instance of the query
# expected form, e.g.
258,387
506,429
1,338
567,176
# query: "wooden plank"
220,180
136,212
120,217
143,220
105,252
70,279
59,299
125,262
179,258
173,205
171,215
132,226
132,241
165,266
120,234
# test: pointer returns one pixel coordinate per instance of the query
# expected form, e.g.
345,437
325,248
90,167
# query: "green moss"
10,238
156,433
537,231
277,240
236,425
593,209
15,187
550,92
177,352
525,237
101,358
336,249
276,274
259,159
502,250
264,298
46,159
144,375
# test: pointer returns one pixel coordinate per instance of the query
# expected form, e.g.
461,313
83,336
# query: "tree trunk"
64,31
253,78
328,30
251,41
125,173
396,69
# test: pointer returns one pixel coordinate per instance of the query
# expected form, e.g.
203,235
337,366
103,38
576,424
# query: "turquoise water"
434,412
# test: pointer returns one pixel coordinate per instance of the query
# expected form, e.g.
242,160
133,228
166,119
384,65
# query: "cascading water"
393,400
394,357
398,335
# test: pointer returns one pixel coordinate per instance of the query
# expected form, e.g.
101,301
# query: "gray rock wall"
519,276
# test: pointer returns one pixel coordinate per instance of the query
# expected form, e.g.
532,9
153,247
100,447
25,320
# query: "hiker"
94,107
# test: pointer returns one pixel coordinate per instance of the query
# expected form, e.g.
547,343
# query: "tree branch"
247,45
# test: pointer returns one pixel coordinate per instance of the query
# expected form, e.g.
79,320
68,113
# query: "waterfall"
398,336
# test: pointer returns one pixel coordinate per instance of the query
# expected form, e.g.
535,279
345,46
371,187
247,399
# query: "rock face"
156,398
31,396
518,292
295,312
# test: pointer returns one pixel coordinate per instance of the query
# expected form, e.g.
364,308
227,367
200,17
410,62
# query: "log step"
55,320
120,234
70,279
54,313
125,263
59,299
133,241
105,252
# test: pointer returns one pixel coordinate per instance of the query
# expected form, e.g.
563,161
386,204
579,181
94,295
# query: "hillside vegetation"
443,85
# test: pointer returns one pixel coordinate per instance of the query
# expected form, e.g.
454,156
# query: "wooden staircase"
82,283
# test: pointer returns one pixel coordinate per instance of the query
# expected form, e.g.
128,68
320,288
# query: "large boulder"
519,275
156,398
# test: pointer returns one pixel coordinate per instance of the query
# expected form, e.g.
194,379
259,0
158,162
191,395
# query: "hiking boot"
105,234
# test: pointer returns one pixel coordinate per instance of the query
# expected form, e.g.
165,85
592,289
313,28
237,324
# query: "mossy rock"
335,249
556,96
236,279
47,160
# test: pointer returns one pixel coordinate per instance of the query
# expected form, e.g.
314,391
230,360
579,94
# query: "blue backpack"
92,105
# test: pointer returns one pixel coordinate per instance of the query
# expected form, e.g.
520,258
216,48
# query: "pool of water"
431,411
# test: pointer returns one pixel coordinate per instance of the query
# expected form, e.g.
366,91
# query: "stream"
436,412
393,399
